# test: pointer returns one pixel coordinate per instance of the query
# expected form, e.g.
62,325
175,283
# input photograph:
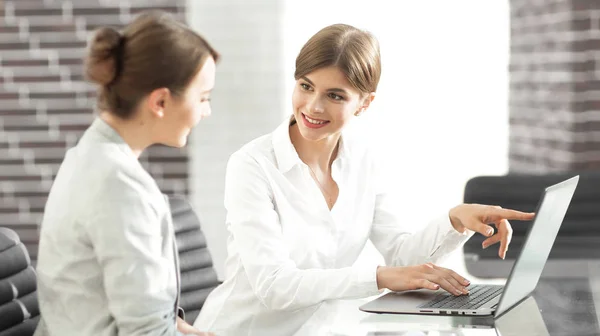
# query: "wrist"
381,283
455,221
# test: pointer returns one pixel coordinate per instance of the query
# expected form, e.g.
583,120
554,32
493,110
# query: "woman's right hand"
427,276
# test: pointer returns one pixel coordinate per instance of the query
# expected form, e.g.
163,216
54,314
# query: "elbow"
277,304
275,300
276,295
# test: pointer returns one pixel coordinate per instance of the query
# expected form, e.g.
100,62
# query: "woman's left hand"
186,329
477,217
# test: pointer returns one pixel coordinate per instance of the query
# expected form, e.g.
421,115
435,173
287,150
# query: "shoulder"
260,152
260,148
117,178
249,162
252,168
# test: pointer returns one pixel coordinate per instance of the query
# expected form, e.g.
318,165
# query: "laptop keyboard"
478,296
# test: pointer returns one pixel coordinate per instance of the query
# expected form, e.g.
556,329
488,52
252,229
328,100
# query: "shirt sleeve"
254,224
126,234
397,242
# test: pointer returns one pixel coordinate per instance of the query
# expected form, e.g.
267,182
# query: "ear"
157,101
366,102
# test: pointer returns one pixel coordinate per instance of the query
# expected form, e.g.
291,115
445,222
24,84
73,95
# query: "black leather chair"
19,311
577,239
198,278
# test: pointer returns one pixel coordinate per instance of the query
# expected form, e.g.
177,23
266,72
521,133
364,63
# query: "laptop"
493,299
524,319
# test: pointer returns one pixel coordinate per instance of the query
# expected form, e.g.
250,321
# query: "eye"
335,96
305,86
205,99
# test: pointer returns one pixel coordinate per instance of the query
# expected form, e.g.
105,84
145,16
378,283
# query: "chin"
182,142
313,134
179,143
181,139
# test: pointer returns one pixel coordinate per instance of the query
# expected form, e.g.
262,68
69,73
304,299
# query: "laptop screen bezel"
574,179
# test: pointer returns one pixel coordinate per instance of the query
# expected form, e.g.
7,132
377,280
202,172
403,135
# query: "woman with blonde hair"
302,202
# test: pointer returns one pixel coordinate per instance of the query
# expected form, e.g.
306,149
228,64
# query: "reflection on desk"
559,306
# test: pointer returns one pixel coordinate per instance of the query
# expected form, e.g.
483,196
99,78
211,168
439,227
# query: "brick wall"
45,105
554,86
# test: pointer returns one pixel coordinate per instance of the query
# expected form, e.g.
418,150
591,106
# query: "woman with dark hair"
107,258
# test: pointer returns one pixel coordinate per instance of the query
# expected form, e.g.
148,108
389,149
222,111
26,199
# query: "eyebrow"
206,91
330,90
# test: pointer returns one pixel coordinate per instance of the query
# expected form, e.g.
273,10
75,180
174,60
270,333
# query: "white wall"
441,108
247,101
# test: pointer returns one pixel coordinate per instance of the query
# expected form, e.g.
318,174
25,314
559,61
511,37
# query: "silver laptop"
524,319
493,299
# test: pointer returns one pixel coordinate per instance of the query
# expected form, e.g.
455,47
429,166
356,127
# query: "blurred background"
468,88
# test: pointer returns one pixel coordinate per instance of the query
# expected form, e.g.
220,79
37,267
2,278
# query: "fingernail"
467,282
436,287
465,291
490,231
484,246
458,292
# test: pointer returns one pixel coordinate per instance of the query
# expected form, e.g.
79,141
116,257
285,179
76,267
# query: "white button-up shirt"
288,253
106,263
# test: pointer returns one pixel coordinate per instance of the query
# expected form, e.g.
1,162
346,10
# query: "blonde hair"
355,52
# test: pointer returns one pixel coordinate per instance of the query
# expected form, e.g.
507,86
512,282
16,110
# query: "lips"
313,122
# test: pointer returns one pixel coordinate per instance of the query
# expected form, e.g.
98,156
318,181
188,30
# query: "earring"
357,113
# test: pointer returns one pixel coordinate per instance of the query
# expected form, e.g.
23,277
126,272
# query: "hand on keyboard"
427,276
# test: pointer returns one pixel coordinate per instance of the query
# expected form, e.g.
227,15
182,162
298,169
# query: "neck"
315,153
133,132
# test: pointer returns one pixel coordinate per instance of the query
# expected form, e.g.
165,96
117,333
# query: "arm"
400,247
396,241
126,234
254,224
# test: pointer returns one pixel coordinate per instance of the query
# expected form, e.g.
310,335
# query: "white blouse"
288,253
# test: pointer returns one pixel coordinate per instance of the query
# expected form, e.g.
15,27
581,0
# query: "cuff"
448,239
181,313
366,281
450,231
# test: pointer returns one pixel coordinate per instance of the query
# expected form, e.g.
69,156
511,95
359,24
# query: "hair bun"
101,65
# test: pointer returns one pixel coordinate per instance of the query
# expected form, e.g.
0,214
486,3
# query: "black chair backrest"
580,230
198,278
19,311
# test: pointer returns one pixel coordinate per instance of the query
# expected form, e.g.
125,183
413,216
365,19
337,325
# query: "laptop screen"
530,263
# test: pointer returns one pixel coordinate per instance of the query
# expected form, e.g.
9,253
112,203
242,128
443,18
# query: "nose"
315,105
206,113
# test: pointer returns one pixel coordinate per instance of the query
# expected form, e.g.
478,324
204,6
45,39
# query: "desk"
568,305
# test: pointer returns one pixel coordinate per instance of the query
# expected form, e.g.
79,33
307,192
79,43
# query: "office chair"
19,311
198,277
577,238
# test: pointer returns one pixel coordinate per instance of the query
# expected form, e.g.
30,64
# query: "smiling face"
324,101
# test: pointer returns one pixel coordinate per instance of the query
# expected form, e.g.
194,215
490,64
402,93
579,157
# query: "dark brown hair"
355,52
153,51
